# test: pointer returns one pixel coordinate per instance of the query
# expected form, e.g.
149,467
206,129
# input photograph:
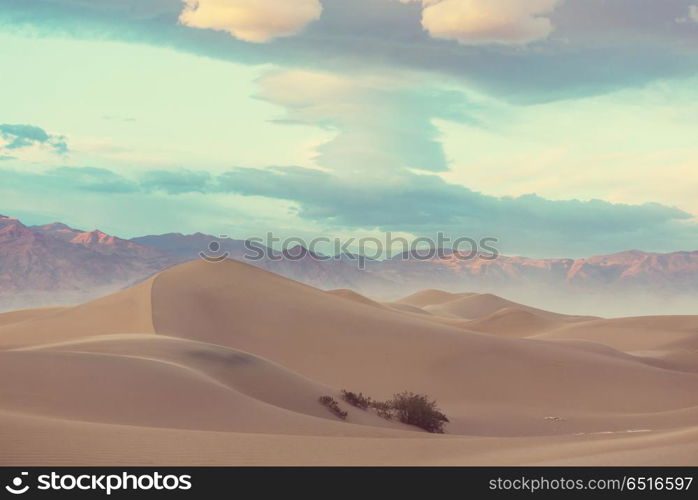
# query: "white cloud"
380,126
479,22
251,20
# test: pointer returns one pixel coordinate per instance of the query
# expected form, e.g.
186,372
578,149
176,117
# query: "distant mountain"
106,244
672,272
188,246
675,271
61,265
55,263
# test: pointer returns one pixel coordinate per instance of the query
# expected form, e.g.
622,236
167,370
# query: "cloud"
424,204
382,125
597,46
419,204
91,179
423,201
17,137
251,20
175,181
479,22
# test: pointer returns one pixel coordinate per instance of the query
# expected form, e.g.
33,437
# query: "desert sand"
224,363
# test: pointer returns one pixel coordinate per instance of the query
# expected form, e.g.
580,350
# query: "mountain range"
55,264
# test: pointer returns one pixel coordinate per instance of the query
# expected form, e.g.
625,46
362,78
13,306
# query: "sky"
564,128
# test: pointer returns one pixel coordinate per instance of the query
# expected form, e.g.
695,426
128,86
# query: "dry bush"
417,410
383,409
358,400
405,407
332,405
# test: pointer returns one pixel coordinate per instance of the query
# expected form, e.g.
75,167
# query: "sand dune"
382,352
406,308
28,314
356,297
156,381
431,297
228,353
128,311
479,305
671,340
514,322
634,334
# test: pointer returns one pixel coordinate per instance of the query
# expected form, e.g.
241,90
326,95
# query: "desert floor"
224,364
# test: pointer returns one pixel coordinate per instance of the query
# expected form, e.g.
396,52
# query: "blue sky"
562,127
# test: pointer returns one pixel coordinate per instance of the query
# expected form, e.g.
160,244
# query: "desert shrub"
383,409
417,410
406,407
333,406
358,400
